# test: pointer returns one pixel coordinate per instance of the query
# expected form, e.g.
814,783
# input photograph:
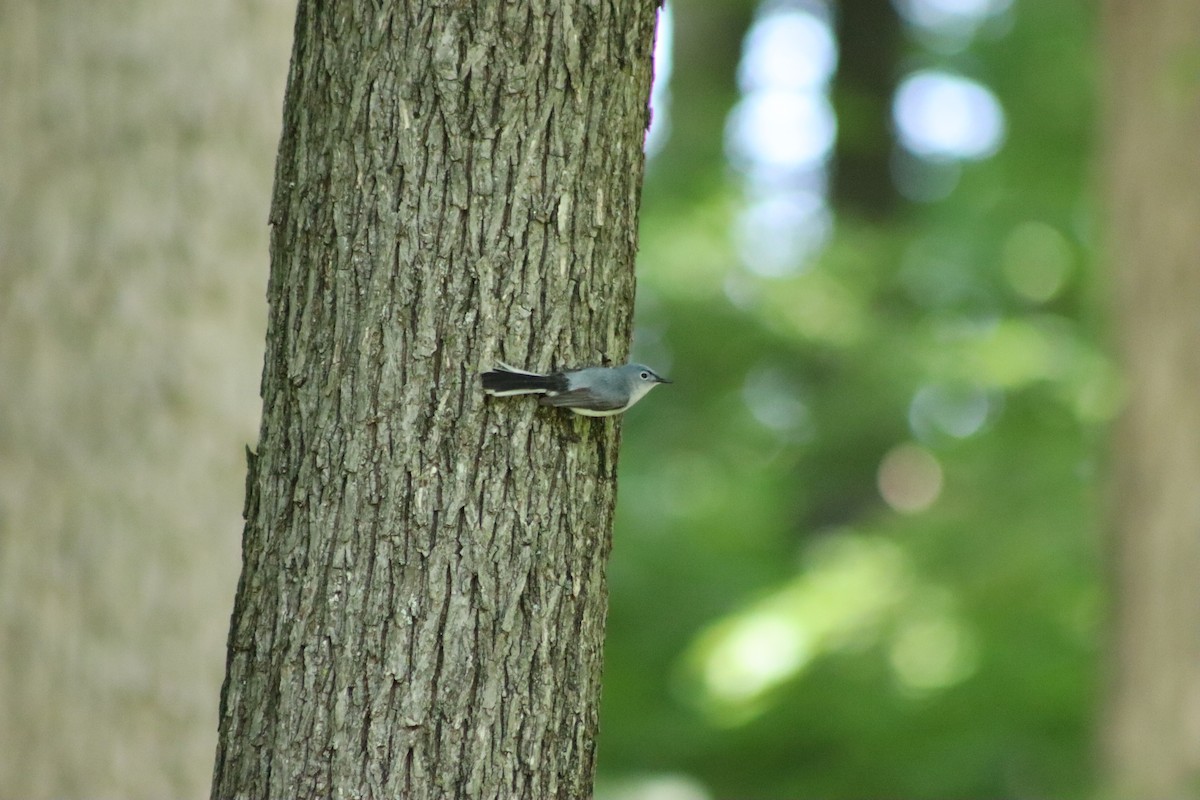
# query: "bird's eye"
645,375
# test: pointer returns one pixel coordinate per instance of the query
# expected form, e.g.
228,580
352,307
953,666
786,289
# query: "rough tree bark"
422,601
136,143
1152,79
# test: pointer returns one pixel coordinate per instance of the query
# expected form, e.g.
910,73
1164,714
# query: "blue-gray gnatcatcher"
592,391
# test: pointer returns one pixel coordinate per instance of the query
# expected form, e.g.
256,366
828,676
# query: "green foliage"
857,551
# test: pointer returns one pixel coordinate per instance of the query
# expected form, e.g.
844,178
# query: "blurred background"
858,550
864,543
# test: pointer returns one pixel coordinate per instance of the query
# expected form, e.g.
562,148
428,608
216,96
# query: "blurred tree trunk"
422,602
707,46
869,43
136,153
1152,79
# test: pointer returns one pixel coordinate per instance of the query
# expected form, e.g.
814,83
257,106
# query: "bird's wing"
580,398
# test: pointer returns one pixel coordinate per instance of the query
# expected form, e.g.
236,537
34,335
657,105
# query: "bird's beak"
662,379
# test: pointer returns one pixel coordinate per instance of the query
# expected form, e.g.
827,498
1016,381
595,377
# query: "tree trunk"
1153,126
870,48
422,601
703,88
137,138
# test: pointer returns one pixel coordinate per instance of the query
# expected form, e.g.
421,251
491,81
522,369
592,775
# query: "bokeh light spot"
910,478
932,649
759,652
851,585
777,234
656,786
775,402
781,129
948,13
921,180
1037,260
660,91
943,116
959,411
790,49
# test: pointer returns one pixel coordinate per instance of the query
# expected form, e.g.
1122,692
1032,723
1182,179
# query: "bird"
591,391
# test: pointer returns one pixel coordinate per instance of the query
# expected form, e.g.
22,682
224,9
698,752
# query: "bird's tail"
505,381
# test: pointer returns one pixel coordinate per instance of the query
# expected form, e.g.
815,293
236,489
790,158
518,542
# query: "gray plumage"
592,391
